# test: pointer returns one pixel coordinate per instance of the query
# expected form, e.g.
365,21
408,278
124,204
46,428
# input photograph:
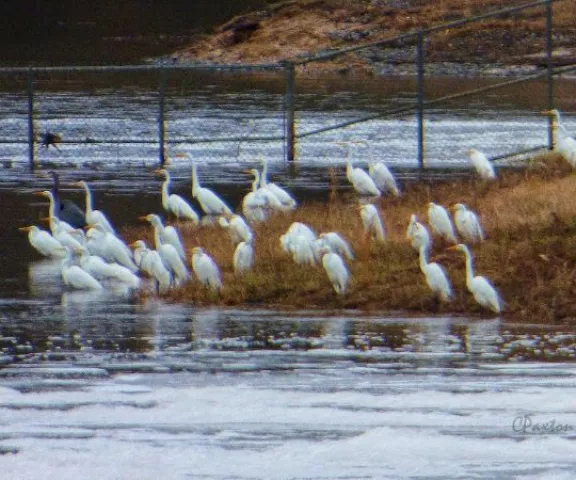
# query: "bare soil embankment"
293,28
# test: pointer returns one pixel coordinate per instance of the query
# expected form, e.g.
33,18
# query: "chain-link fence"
146,113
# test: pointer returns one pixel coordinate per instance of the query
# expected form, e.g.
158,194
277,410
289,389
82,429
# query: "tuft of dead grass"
529,217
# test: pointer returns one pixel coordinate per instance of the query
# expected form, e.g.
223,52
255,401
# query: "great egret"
239,230
287,201
565,145
383,178
440,222
467,224
94,217
300,247
255,203
360,180
100,269
109,247
175,204
482,165
335,269
150,262
299,228
165,234
205,269
272,201
417,234
435,276
484,293
76,277
211,203
43,242
56,225
337,244
66,210
243,257
372,222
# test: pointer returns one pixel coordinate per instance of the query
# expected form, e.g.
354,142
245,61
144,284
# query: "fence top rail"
143,68
329,54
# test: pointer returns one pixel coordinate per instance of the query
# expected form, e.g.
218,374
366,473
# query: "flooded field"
111,386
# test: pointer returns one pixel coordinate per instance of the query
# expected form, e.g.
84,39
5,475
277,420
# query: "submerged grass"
529,218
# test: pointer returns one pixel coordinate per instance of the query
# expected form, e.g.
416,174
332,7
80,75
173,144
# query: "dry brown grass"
529,218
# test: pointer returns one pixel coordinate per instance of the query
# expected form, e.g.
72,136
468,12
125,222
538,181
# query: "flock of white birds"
94,255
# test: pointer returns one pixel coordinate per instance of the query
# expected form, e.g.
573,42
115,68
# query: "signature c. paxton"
525,424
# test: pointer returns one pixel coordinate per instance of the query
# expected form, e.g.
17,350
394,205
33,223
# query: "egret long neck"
256,181
195,183
264,179
423,258
157,237
88,200
469,267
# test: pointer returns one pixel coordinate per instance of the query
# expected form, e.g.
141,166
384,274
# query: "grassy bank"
529,218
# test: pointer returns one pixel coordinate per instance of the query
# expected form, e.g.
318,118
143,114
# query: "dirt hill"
297,28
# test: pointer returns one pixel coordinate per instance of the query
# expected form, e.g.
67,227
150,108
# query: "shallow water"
106,386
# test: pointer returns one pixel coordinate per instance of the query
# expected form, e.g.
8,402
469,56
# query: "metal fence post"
290,127
31,130
420,101
161,118
550,77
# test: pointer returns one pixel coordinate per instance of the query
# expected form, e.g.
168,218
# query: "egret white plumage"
255,203
273,203
482,165
175,204
100,269
243,257
298,229
44,242
56,225
170,255
484,293
361,181
94,217
417,234
211,203
440,222
109,247
165,234
75,276
335,269
150,262
564,144
467,224
372,222
239,230
337,244
435,275
205,269
383,178
301,248
285,199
